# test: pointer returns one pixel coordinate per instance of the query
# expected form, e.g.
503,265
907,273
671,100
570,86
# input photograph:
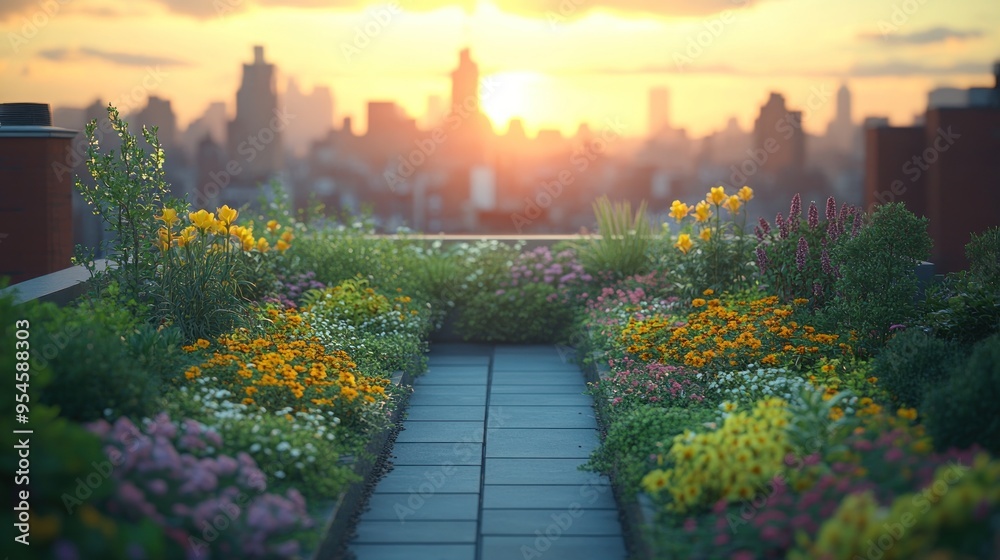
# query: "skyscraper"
778,137
254,139
158,113
659,110
465,85
841,130
316,112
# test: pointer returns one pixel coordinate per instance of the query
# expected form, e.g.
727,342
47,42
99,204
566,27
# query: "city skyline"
907,49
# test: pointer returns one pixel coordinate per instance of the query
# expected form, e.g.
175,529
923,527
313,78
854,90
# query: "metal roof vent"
25,114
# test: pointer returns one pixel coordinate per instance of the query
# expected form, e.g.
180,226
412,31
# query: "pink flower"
690,525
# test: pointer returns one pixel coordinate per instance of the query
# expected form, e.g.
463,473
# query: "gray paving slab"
544,378
437,453
543,417
434,413
572,520
540,471
534,399
421,398
416,532
560,548
587,496
441,432
561,443
404,508
448,391
414,551
446,479
573,389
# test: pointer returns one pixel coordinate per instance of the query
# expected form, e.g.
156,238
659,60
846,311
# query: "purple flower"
795,211
857,224
779,221
897,327
764,226
813,216
817,289
801,253
758,233
831,209
824,260
762,261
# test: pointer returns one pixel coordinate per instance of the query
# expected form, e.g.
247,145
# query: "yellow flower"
708,292
907,413
202,219
227,215
706,234
248,242
273,225
186,236
165,238
745,194
702,211
679,210
262,245
281,246
717,195
168,217
733,204
287,237
684,243
697,302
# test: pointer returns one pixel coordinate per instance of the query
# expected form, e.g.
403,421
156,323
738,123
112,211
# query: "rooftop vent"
25,114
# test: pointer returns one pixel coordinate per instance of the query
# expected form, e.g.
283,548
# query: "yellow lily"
717,195
684,243
227,215
679,210
202,219
702,211
745,194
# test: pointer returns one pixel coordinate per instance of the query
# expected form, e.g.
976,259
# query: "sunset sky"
557,63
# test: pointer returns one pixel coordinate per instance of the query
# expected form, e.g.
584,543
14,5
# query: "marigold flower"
684,243
679,210
716,196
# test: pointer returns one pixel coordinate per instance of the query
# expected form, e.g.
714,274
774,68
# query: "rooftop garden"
780,388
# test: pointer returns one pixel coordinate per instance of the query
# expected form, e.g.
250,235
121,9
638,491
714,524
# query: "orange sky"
559,62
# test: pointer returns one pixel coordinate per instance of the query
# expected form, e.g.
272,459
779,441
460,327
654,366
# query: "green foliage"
966,305
642,433
811,429
621,249
353,300
103,358
878,286
528,314
966,410
914,362
128,190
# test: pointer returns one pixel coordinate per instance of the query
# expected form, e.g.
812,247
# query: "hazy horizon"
558,63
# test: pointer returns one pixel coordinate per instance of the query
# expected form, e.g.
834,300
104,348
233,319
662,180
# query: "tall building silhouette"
253,139
313,115
778,132
841,130
157,113
659,110
465,84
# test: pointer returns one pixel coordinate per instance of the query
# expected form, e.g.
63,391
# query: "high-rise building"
465,85
211,123
659,110
778,132
255,135
938,168
157,113
435,111
841,130
313,115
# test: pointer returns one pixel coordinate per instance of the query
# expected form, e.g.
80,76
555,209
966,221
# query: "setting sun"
509,95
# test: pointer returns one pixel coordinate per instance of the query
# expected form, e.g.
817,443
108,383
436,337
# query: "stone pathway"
486,467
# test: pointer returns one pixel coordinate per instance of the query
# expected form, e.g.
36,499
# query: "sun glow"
509,95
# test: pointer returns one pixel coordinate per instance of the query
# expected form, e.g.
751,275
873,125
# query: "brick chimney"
36,205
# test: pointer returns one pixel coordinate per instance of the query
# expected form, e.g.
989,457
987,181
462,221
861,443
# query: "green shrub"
529,313
102,359
626,452
914,362
966,409
878,284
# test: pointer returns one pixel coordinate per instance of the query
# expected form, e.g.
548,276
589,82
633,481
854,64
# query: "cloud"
122,59
886,69
548,9
925,37
11,8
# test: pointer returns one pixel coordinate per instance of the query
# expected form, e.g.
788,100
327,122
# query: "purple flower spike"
813,216
801,253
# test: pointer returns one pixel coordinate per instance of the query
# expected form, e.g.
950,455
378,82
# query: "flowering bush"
635,297
290,370
562,271
734,332
795,257
632,383
213,505
288,290
755,384
730,463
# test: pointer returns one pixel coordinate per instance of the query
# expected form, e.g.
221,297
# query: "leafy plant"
621,249
634,440
128,190
878,285
966,410
914,362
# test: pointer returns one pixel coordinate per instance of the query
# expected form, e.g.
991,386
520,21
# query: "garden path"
486,466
